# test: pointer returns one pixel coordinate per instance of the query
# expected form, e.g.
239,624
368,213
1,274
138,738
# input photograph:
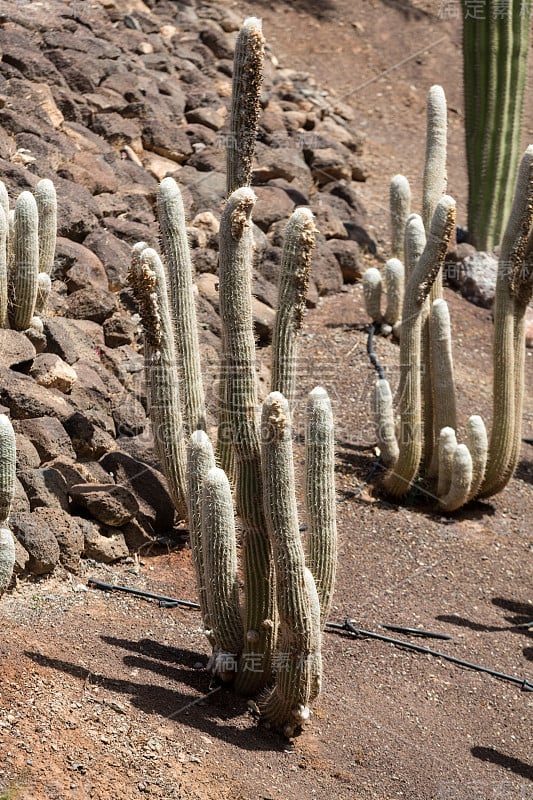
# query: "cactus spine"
495,51
7,489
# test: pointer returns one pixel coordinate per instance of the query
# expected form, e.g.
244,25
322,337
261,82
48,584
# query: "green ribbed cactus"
27,249
495,52
26,261
7,489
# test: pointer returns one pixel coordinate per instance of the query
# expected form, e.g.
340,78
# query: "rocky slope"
106,99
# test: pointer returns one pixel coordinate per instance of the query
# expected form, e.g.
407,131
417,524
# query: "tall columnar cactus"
408,238
434,182
180,271
296,258
320,497
200,459
148,280
220,565
514,289
45,197
287,703
418,288
254,632
495,51
7,488
4,281
241,402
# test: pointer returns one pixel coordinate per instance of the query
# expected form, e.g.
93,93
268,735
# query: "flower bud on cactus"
245,105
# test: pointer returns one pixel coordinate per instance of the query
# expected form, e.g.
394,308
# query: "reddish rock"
67,533
109,503
91,305
25,398
15,348
49,370
35,535
48,436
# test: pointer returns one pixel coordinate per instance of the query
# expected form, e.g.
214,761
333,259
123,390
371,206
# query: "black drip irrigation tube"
164,601
348,627
371,352
339,627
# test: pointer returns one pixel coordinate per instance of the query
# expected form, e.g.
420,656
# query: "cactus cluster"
263,616
7,488
425,441
27,247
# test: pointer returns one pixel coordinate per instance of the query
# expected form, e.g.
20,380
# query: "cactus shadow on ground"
210,709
